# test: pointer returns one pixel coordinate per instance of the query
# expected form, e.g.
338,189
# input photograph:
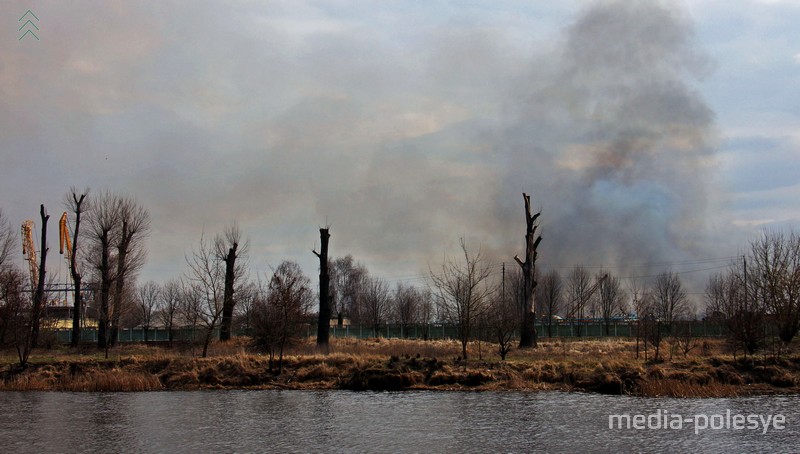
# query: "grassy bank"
604,366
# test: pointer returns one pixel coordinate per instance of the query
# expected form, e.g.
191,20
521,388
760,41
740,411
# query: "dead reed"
604,366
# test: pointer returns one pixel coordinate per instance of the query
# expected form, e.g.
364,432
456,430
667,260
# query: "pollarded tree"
324,315
462,291
528,335
231,250
40,297
117,227
134,227
101,237
76,204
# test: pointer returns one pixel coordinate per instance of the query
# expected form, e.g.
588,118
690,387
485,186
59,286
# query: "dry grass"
605,366
113,380
678,388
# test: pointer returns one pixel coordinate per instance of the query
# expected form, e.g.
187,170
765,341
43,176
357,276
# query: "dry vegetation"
605,366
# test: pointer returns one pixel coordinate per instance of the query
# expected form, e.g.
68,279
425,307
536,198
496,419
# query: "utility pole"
746,295
504,282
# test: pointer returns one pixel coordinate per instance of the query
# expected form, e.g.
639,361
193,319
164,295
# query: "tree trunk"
207,340
77,306
323,325
105,290
227,301
528,334
122,257
38,297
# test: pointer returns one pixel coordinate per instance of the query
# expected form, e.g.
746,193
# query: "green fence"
138,335
417,331
557,329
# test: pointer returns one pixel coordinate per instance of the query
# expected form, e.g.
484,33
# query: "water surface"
339,421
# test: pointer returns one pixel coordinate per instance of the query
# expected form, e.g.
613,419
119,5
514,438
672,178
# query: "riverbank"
603,366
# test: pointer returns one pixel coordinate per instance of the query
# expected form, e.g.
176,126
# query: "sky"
652,135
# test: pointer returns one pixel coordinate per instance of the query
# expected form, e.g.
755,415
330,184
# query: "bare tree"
742,311
651,324
611,299
550,296
134,227
638,303
117,227
190,305
101,236
206,290
377,303
462,291
776,277
578,286
168,305
348,287
528,334
502,320
426,312
233,252
7,245
324,319
249,293
16,309
407,300
7,240
75,204
670,298
279,317
148,295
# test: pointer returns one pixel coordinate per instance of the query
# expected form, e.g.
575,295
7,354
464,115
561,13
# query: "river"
342,421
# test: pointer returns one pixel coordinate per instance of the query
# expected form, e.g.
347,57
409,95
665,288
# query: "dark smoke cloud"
614,141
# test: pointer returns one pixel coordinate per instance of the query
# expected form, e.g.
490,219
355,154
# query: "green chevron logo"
28,26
